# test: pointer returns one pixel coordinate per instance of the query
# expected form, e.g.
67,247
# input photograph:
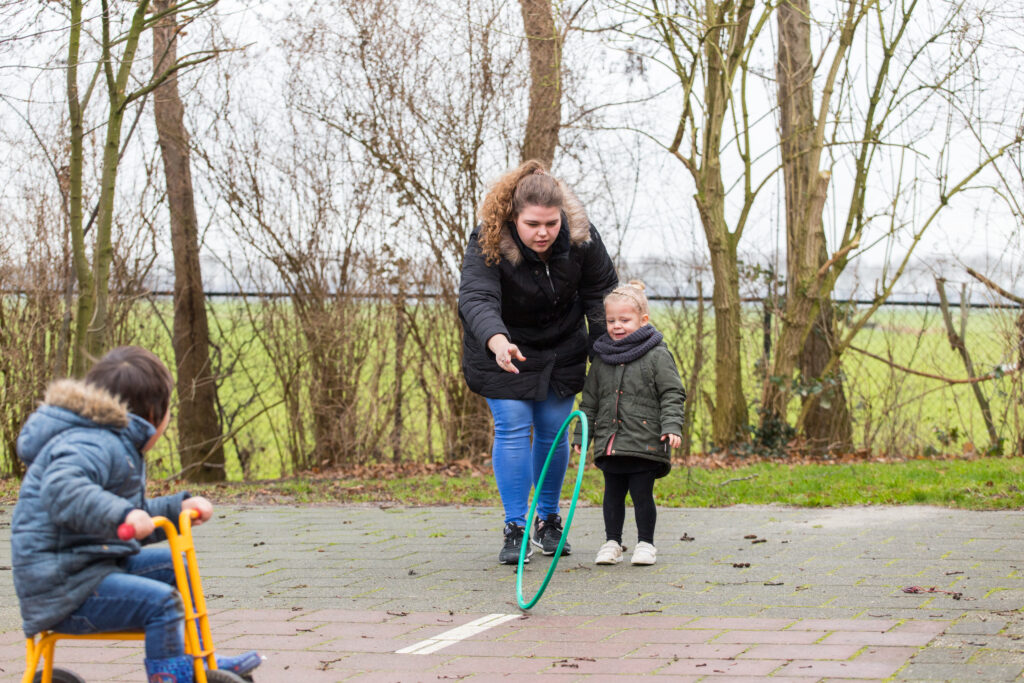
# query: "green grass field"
978,484
893,412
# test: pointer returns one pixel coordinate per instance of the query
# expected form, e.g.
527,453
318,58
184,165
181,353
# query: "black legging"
640,486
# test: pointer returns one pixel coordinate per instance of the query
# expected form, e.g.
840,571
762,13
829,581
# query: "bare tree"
93,276
910,73
1018,347
956,341
33,256
707,46
199,432
545,44
299,206
808,330
429,96
828,122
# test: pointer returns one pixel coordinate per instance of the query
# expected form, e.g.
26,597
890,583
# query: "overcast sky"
651,214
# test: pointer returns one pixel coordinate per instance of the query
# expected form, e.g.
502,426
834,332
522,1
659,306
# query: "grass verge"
975,484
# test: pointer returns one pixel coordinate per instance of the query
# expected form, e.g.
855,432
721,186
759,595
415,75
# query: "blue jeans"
517,462
142,596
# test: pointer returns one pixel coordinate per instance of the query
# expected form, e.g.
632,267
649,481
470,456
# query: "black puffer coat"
540,306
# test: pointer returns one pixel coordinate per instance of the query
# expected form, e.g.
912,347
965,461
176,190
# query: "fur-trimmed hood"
72,403
575,216
88,400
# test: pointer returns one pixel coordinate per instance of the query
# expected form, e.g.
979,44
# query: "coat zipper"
618,392
551,284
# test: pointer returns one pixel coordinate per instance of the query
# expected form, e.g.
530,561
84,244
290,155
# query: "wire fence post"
766,319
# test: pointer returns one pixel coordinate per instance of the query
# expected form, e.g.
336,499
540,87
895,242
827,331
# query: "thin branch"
994,287
948,380
838,255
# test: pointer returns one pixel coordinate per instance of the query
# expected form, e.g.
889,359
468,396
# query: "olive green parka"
630,406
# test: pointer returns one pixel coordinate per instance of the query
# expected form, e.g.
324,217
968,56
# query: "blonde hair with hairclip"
632,292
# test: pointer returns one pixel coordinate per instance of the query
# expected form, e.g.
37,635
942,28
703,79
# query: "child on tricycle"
86,477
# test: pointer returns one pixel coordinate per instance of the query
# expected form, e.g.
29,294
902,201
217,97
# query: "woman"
534,269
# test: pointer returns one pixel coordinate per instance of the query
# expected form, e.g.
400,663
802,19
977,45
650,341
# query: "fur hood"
576,216
89,401
73,404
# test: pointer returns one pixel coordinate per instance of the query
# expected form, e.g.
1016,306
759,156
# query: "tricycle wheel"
225,676
60,676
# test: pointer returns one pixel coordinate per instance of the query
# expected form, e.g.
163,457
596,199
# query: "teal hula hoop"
523,604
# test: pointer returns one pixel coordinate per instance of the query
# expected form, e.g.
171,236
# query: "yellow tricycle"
197,623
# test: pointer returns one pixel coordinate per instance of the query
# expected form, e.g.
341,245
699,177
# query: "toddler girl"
633,399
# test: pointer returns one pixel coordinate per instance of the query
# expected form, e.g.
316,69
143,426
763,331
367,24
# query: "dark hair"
138,378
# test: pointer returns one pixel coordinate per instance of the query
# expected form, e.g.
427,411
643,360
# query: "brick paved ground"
331,593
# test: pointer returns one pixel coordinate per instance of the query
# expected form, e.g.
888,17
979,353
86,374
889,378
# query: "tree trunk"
729,415
956,342
828,425
1019,450
807,334
729,24
83,275
545,116
693,382
95,329
91,324
199,431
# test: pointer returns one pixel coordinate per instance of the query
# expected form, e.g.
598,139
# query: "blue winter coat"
85,473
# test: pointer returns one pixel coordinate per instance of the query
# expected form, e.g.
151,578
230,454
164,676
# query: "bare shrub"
297,203
455,421
34,262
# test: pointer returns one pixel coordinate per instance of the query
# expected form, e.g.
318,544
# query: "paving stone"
689,651
787,637
897,655
723,667
976,627
850,669
330,593
871,638
675,635
776,651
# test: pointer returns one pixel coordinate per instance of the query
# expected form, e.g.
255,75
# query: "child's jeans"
142,596
517,464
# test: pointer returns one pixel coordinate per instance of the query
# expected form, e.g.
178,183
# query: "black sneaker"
513,542
547,534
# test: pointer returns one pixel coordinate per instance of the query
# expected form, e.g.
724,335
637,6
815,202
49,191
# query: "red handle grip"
126,532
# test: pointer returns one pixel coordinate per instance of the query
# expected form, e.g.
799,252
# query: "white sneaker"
610,553
644,553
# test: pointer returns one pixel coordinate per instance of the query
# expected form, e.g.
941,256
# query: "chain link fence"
912,388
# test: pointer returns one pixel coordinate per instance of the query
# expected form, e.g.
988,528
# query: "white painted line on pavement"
456,634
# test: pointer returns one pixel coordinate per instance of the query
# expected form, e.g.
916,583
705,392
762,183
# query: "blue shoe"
170,670
240,664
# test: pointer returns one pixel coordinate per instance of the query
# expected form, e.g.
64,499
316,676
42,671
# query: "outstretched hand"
505,352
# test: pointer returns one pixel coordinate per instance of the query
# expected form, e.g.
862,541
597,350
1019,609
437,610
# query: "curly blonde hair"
632,293
529,184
